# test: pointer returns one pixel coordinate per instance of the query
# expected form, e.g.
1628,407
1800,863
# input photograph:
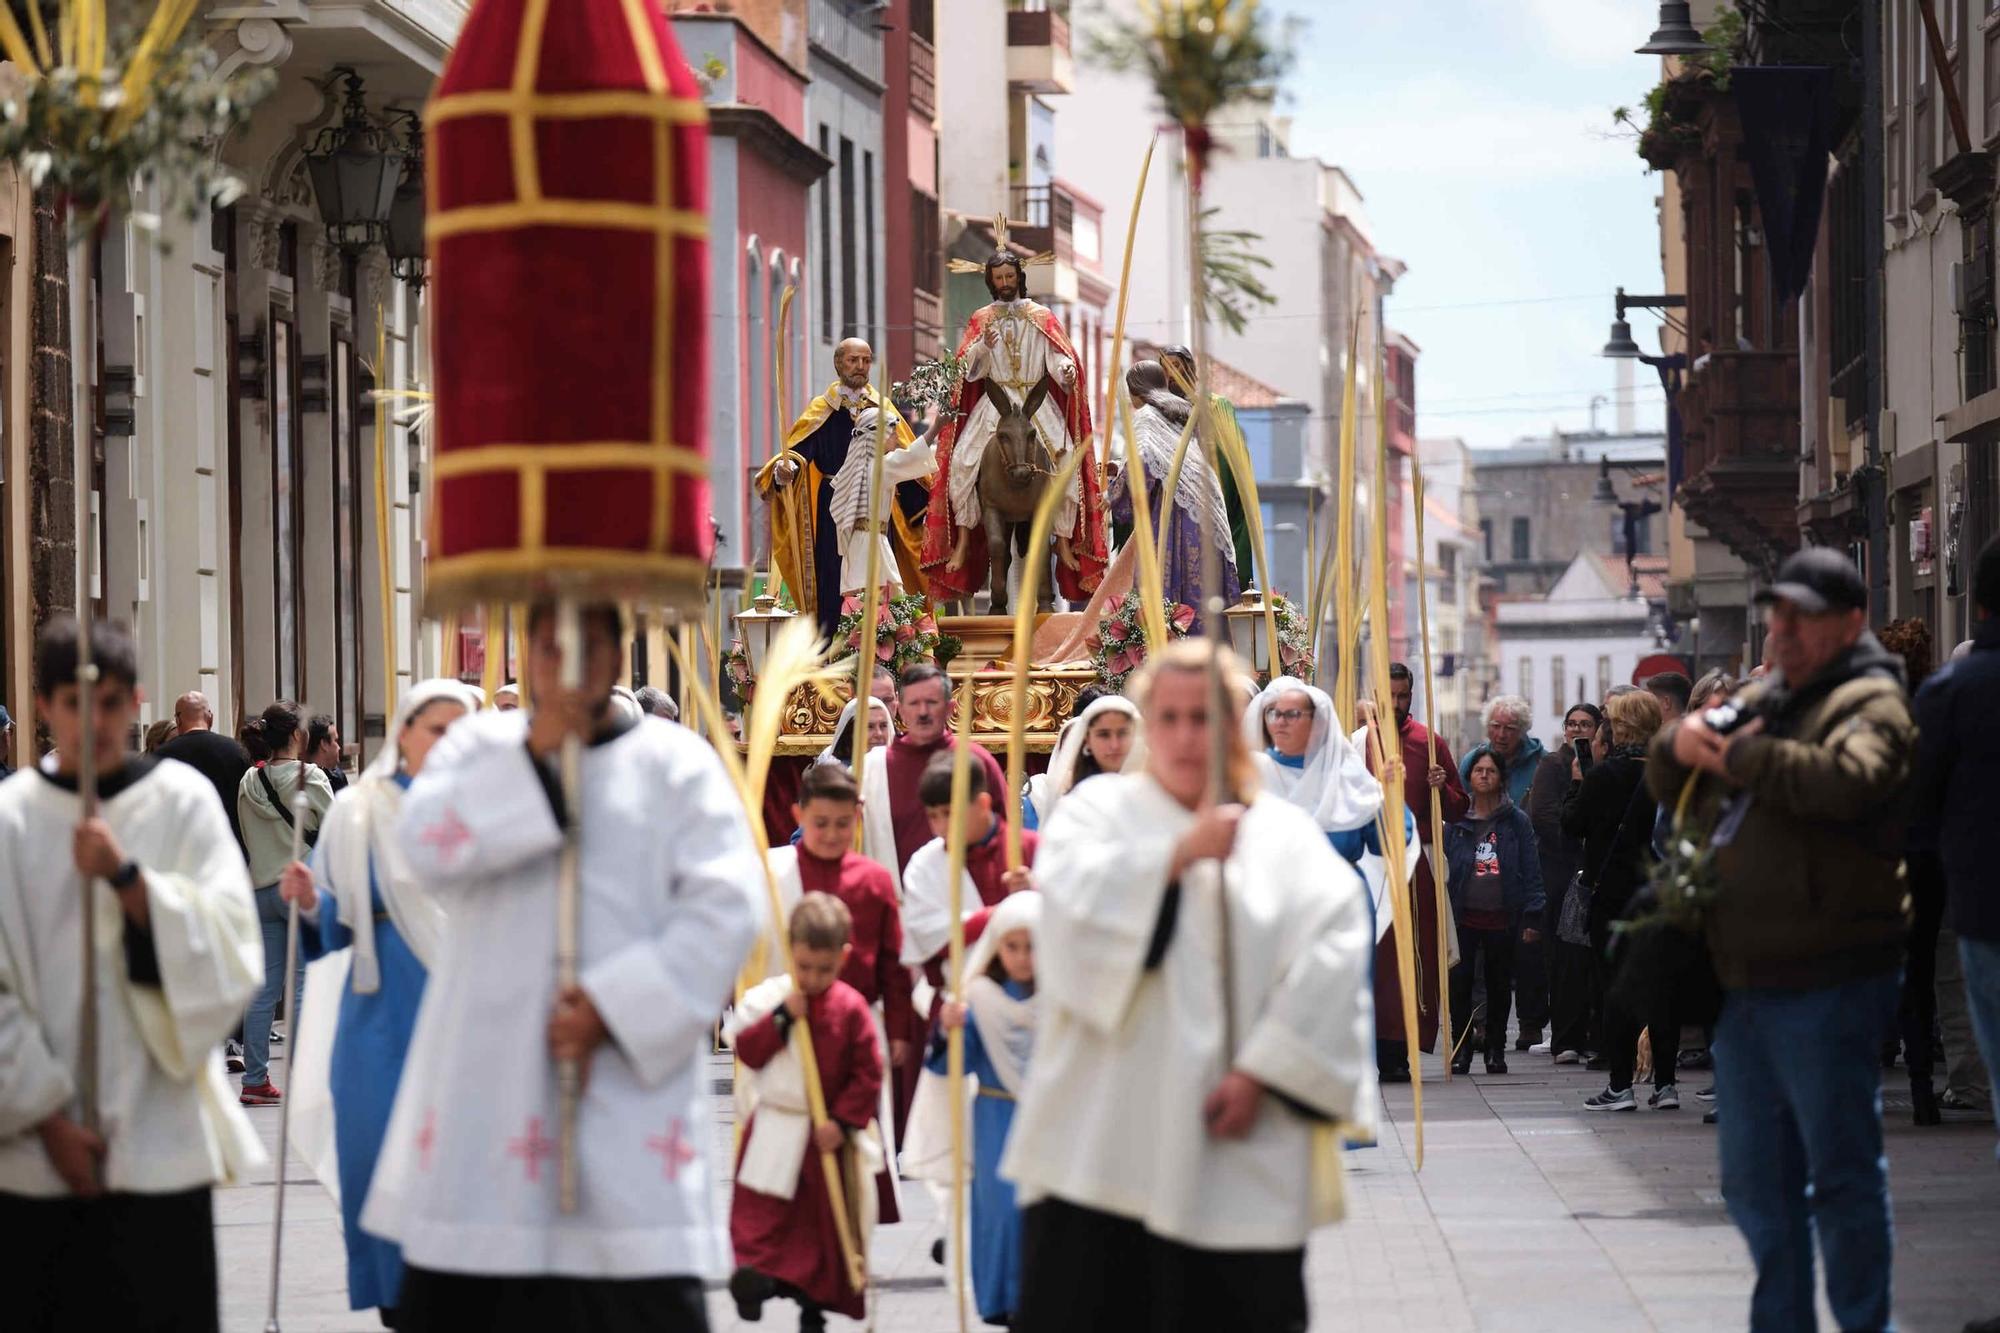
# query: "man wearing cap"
1807,797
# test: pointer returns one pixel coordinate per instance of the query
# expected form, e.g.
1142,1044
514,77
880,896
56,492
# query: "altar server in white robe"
467,1182
1171,1171
114,1229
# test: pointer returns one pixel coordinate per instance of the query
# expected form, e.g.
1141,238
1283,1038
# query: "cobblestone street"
1530,1214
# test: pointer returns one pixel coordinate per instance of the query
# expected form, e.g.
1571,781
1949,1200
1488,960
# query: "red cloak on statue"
1087,540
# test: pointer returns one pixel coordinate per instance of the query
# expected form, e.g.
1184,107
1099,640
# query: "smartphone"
1583,754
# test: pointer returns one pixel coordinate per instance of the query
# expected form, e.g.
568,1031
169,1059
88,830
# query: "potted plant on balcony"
1672,107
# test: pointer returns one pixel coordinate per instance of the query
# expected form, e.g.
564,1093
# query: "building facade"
235,522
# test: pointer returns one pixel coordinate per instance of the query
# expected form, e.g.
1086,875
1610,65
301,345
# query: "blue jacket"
1520,775
1520,863
1957,774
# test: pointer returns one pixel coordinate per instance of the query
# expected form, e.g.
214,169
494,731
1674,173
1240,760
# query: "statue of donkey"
1013,473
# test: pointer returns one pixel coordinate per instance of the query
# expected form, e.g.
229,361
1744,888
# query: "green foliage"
65,131
1199,55
1233,272
1728,45
933,384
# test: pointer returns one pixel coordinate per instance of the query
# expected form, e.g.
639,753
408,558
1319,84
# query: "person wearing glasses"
1508,718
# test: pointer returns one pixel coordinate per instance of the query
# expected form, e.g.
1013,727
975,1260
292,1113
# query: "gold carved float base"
1051,700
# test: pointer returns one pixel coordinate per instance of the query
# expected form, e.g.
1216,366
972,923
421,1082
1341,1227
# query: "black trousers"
1531,984
1576,998
1662,1017
139,1263
1498,948
1918,1012
1083,1271
435,1302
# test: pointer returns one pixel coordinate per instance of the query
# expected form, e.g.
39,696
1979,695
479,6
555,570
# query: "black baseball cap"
1816,580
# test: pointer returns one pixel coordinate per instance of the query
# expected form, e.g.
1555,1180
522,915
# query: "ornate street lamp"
355,167
1620,344
404,236
1676,35
758,626
1246,631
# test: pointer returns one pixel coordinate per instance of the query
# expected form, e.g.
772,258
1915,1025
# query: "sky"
1480,134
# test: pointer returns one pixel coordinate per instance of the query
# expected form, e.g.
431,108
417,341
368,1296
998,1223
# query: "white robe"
672,896
878,826
1024,355
171,1120
850,502
1111,1117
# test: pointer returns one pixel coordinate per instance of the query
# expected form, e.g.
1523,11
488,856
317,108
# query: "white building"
1451,569
1577,641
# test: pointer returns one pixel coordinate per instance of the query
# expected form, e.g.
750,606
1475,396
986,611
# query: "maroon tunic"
874,963
906,761
1417,798
794,1240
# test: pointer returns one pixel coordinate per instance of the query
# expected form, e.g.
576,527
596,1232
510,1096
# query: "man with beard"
1017,359
798,484
1421,776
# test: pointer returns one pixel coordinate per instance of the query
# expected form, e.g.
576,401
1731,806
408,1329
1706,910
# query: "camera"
1725,717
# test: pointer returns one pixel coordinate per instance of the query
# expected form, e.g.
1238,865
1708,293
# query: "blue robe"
996,1220
367,1063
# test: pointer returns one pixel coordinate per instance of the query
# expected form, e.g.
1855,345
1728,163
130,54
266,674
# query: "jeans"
1964,1071
1981,959
1498,948
271,913
1798,1073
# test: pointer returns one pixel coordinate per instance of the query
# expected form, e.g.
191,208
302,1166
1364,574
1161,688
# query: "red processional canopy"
566,215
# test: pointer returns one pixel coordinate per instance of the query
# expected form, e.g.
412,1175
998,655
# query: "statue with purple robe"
1158,417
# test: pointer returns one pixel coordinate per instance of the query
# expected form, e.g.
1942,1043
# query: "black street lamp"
355,167
404,237
1676,35
1620,345
1635,511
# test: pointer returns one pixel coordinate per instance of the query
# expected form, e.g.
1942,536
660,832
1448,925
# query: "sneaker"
1528,1040
1665,1099
1539,1048
750,1289
1496,1063
233,1056
261,1094
1612,1100
1706,1094
1593,1060
1569,1057
1694,1059
277,1037
1961,1099
1708,1117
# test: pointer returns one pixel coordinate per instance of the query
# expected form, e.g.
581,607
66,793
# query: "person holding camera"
1573,1010
1806,932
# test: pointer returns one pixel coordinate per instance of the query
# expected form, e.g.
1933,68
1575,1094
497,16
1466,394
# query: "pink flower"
926,624
1183,617
1122,663
1114,632
905,633
885,651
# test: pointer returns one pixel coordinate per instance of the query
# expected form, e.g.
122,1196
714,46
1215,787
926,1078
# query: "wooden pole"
569,896
1438,884
300,809
961,791
384,552
864,658
83,251
1024,630
1941,70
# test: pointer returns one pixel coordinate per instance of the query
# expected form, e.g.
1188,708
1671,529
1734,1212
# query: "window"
1528,680
926,249
347,601
848,309
825,246
286,515
868,239
1522,547
1557,690
1486,539
1603,677
1448,575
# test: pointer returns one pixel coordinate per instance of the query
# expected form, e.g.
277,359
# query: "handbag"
285,811
1573,922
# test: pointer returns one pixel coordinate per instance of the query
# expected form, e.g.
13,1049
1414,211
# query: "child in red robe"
824,861
781,1222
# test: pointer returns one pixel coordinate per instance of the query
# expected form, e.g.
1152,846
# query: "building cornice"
767,136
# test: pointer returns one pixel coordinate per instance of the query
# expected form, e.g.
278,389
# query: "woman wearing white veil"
882,730
1101,739
1306,758
380,932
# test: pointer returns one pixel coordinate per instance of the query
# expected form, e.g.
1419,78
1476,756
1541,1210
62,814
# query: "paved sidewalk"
1530,1214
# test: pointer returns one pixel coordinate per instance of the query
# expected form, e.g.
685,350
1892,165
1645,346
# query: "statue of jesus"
1020,396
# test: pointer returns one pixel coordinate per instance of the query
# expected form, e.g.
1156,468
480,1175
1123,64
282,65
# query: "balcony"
1043,217
848,38
923,78
1740,430
1038,56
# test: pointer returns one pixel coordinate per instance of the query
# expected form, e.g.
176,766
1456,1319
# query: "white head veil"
1006,1025
1335,786
1076,734
360,832
841,750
